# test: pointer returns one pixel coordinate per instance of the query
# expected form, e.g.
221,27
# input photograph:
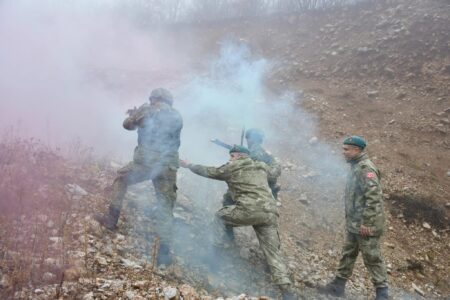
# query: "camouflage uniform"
363,206
258,153
155,158
253,206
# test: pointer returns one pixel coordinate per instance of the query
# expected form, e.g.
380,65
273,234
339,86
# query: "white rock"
52,262
89,296
5,282
101,261
130,264
130,295
48,277
76,189
373,94
418,290
170,293
38,291
313,140
426,225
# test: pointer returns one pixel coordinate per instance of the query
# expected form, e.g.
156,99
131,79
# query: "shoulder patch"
371,175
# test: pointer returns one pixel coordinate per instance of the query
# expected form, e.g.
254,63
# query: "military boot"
109,220
164,255
334,288
382,293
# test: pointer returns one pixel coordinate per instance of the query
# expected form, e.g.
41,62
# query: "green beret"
355,141
239,149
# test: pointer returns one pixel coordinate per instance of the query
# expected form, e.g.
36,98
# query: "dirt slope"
379,70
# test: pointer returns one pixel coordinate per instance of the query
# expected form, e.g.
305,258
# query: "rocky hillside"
380,70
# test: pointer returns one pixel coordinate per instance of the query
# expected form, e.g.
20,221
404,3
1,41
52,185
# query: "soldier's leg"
269,241
226,201
349,254
373,260
230,216
350,251
130,174
165,184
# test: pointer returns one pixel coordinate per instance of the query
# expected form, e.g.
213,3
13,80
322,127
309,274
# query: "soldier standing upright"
364,215
253,206
155,158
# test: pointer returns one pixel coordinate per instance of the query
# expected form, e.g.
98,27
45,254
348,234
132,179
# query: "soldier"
364,221
253,206
254,138
155,158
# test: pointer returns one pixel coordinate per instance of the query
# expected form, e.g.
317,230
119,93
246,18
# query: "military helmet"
239,149
162,94
355,140
255,134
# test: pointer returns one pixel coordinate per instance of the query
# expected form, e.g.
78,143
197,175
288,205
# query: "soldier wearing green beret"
253,206
364,214
155,158
255,138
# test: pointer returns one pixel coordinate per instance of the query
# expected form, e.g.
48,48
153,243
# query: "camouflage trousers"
266,229
370,249
164,181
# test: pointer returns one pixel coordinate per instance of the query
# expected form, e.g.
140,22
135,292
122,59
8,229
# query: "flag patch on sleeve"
371,175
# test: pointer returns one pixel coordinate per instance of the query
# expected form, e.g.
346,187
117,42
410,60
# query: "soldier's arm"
370,184
220,173
130,123
137,116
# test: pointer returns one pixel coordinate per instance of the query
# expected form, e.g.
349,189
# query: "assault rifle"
221,144
228,146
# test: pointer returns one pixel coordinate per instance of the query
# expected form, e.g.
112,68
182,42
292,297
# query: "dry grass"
36,211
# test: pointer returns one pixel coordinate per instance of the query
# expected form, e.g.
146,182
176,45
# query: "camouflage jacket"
247,183
364,197
258,153
158,127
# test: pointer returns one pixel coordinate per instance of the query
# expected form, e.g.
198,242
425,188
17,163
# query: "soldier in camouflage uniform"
364,214
253,206
254,138
155,158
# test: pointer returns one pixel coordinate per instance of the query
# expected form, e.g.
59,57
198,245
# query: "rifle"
242,135
139,113
221,144
228,146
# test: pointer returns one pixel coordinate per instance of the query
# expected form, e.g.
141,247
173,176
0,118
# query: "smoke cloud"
72,69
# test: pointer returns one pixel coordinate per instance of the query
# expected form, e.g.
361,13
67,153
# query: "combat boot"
334,288
164,255
382,293
109,220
